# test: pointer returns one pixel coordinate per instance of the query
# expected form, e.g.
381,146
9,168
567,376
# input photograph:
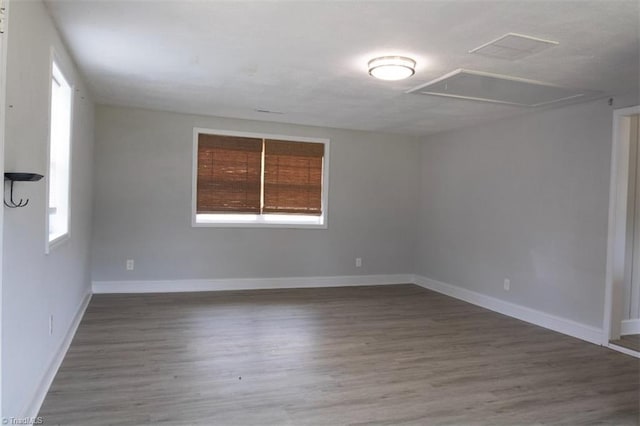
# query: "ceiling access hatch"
496,88
512,46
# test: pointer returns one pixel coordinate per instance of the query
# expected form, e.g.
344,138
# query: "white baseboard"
552,322
542,319
40,393
623,350
174,286
631,326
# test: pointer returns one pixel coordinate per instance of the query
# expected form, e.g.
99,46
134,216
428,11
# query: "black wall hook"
19,177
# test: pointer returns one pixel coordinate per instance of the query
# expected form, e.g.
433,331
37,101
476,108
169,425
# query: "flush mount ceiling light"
392,67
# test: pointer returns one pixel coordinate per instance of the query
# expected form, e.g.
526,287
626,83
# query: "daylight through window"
59,153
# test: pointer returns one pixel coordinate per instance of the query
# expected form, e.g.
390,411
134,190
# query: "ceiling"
307,60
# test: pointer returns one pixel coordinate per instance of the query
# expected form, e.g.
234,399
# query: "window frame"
68,76
260,220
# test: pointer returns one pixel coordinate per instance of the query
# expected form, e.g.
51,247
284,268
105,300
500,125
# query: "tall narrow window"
243,179
59,156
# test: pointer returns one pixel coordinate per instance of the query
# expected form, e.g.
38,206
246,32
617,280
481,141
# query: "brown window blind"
293,177
229,174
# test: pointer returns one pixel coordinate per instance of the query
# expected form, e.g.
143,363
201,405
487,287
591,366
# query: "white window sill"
55,241
259,221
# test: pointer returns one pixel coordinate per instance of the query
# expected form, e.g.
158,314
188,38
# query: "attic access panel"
496,88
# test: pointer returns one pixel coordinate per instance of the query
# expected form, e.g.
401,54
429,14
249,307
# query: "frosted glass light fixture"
392,67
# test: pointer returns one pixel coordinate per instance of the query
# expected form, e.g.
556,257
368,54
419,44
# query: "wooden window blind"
293,177
229,174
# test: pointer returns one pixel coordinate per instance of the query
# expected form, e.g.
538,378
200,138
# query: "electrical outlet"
358,262
50,325
130,265
507,284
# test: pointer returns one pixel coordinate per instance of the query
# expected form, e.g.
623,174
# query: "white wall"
143,205
3,92
526,199
36,285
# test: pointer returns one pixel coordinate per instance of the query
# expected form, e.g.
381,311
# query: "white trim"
58,241
33,407
47,243
631,326
614,274
244,134
260,223
533,316
623,350
175,286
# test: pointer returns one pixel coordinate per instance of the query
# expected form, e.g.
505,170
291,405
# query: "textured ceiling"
307,59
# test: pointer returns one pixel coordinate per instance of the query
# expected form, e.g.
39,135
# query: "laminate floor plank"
386,355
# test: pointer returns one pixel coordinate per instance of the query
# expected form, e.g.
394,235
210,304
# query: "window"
59,157
245,179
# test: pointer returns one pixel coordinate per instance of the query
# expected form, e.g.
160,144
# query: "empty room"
320,212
